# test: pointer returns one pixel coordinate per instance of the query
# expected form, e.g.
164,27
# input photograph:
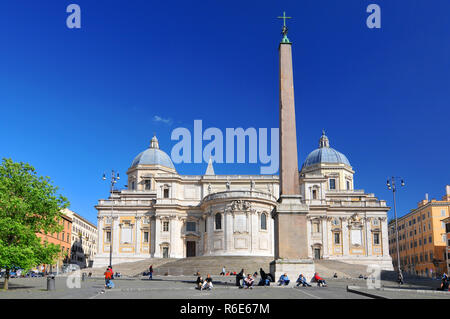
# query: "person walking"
108,276
223,271
150,272
400,278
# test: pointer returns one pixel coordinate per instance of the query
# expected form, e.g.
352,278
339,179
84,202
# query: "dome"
153,156
325,154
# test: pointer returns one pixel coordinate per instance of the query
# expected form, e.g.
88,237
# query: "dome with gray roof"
325,154
153,156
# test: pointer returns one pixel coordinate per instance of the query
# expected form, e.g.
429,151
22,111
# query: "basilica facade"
163,214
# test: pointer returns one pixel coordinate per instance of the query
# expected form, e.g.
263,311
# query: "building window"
108,236
133,185
337,238
165,226
218,220
332,183
263,221
190,226
348,185
442,212
166,193
314,194
146,237
376,238
148,184
316,227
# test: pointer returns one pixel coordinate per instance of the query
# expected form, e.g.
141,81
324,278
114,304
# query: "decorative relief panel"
240,243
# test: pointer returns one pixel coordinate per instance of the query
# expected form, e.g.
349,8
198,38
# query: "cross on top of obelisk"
284,31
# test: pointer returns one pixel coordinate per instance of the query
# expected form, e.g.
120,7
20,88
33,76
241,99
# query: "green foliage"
28,204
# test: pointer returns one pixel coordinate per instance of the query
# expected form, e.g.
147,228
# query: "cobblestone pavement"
182,287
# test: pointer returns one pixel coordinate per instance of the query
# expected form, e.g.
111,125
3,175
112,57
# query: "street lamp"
114,178
391,186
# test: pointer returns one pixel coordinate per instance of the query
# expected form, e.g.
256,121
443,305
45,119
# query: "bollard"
51,282
83,277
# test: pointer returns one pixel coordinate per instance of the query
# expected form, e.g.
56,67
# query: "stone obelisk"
291,240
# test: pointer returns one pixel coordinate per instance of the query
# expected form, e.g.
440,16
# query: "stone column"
228,230
99,235
157,244
324,237
115,235
384,236
345,237
368,236
172,249
137,235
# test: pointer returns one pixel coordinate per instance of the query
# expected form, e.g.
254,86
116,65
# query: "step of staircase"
131,269
213,265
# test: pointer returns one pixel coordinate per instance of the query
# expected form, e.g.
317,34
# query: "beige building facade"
83,240
164,214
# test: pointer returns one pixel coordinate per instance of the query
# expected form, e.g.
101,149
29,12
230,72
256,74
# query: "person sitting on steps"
302,281
207,284
199,282
320,281
248,282
284,280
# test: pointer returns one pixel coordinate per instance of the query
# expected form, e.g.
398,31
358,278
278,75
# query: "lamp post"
114,178
391,186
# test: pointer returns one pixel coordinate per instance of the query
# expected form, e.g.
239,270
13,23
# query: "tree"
29,204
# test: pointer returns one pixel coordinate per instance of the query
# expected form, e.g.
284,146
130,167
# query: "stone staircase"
327,268
213,265
131,269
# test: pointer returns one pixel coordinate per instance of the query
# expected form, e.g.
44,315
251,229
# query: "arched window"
263,221
218,221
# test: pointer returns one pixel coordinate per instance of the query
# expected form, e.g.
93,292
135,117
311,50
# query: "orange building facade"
423,239
447,230
63,239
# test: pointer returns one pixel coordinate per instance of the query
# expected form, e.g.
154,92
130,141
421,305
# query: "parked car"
13,274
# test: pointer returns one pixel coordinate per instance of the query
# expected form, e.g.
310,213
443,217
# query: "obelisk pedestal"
291,240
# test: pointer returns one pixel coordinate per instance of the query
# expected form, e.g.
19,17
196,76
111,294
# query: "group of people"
301,280
205,284
248,281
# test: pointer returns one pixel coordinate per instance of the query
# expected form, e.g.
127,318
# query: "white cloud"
159,119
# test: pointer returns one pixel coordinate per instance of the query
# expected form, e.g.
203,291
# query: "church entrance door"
190,249
316,253
165,252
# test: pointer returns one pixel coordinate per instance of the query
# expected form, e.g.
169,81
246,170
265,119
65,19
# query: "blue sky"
76,103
